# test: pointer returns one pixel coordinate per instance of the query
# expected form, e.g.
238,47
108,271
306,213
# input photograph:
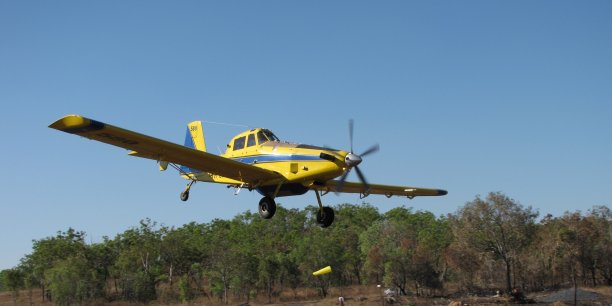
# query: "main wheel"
325,218
184,195
267,207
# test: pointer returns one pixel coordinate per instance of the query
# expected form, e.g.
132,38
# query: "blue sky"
468,96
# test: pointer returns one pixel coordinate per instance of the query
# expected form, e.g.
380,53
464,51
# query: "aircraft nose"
352,160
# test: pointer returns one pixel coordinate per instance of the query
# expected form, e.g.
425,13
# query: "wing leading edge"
386,190
161,150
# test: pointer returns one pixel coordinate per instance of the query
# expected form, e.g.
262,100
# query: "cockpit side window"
239,143
261,137
251,140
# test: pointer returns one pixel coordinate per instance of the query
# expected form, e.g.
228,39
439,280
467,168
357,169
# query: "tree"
179,250
74,280
407,247
434,238
183,251
585,245
220,266
185,290
487,240
496,225
570,251
13,280
101,258
351,221
3,280
601,218
138,263
47,252
371,244
540,259
269,246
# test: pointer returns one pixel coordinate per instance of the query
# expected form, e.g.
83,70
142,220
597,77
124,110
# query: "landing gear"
267,207
325,215
185,193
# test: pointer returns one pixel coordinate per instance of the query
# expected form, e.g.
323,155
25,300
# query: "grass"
354,296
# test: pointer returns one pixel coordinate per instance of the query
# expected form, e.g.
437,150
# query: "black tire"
184,196
267,207
326,218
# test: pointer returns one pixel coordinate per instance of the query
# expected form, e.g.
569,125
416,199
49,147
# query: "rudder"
194,138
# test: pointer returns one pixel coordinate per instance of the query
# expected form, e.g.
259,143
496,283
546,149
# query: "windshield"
261,137
270,135
264,136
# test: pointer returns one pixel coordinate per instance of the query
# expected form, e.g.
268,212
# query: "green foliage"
12,280
185,290
137,267
413,251
406,247
73,281
350,222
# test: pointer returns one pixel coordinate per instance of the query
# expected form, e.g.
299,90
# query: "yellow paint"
323,271
70,121
197,135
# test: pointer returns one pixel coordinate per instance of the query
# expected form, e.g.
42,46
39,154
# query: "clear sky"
468,96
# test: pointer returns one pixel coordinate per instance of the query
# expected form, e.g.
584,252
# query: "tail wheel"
185,195
267,207
325,217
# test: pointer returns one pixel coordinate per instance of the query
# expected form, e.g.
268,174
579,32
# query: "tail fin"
195,136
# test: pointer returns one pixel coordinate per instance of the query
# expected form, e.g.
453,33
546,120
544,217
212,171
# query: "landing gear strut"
267,207
325,215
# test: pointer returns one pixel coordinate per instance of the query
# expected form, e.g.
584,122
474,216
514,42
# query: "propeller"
352,160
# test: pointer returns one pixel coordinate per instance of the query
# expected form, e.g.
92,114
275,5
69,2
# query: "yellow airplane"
255,159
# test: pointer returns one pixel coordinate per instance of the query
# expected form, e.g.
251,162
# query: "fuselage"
301,165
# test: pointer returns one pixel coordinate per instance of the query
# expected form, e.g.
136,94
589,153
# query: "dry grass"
354,296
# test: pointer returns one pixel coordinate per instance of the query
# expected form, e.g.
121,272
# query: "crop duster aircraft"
255,159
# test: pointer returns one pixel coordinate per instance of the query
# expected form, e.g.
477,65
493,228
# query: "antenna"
228,124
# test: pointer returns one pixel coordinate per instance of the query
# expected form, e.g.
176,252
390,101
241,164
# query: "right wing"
161,150
389,191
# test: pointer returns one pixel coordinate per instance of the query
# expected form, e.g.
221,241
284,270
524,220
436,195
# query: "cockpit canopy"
251,138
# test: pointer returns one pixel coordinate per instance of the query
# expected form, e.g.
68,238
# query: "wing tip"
76,124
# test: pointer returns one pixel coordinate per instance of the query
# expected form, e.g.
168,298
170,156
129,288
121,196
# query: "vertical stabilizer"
195,136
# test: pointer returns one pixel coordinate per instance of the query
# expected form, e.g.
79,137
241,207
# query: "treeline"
488,244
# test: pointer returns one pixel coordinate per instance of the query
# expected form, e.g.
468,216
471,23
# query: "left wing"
386,190
161,150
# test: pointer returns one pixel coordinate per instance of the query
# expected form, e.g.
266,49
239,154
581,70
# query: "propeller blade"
353,160
362,178
341,183
351,133
371,150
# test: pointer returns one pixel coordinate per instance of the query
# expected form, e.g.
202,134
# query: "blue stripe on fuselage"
275,158
263,159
